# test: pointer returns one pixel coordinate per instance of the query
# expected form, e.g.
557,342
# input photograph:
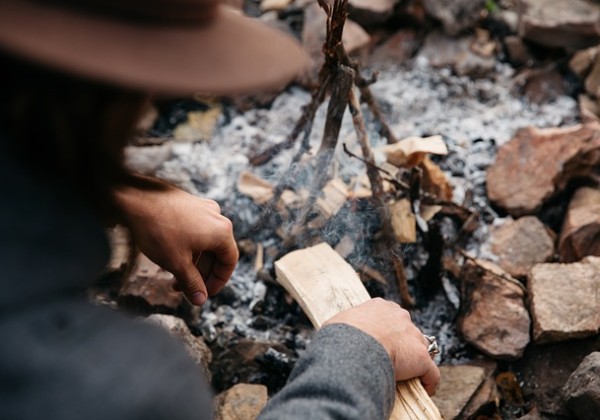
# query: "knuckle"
405,314
226,225
213,204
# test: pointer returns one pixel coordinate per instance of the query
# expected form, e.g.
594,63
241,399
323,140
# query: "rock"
371,12
440,50
397,49
544,85
485,394
582,390
571,24
194,346
521,244
494,319
544,370
582,61
241,402
149,288
564,300
592,81
314,31
533,414
538,163
509,19
456,15
516,51
457,387
589,109
580,235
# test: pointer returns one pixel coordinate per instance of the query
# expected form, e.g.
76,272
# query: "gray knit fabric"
344,374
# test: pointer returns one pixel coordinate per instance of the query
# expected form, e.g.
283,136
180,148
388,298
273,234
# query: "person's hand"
184,234
406,345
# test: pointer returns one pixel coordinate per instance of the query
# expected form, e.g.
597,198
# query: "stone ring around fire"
433,347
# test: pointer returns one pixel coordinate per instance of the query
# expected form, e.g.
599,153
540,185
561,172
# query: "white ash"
473,116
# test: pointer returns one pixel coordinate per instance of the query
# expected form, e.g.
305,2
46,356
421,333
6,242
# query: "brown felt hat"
162,46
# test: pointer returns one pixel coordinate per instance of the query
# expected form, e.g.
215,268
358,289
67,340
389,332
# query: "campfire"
453,169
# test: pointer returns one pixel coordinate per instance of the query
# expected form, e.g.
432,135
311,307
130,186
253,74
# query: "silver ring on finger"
433,348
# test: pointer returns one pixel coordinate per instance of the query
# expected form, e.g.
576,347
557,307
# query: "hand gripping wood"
323,283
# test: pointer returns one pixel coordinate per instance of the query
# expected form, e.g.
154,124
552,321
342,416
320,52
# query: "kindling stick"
323,283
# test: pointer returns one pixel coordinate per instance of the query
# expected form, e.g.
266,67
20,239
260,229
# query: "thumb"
191,283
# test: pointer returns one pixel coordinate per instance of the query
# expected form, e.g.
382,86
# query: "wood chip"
404,222
255,187
335,194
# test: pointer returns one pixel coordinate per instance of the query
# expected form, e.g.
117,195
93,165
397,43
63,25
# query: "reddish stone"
395,50
150,287
521,244
538,163
580,235
494,319
564,300
560,23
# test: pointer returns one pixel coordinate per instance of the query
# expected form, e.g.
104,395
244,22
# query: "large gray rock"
564,300
455,15
570,24
582,390
495,319
538,163
194,346
521,244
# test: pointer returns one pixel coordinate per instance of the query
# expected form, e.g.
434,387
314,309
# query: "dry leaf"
412,150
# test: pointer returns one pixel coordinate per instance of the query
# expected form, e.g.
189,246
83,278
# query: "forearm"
344,373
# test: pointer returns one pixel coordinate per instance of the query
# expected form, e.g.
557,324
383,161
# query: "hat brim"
230,55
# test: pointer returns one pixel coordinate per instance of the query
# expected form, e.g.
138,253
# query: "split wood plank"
323,283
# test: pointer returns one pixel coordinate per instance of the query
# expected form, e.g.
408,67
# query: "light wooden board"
323,283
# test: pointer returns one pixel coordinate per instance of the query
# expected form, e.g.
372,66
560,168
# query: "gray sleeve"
344,374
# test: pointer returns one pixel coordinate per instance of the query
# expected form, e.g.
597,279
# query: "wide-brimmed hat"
163,46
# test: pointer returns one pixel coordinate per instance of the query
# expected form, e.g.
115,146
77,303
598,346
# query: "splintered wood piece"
335,195
404,223
324,284
255,187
